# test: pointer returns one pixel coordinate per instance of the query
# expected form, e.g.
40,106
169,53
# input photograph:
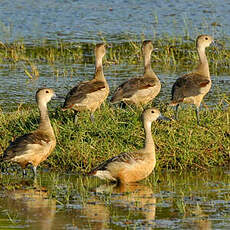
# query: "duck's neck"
44,123
203,67
149,143
99,75
148,72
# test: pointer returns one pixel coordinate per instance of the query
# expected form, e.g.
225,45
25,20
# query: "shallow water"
18,88
196,200
117,21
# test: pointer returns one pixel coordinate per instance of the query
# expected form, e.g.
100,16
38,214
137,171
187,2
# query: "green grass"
179,145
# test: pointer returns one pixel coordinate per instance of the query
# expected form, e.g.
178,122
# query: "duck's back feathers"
35,142
189,85
80,92
132,86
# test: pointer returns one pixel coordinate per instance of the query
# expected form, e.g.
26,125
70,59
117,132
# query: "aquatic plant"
170,54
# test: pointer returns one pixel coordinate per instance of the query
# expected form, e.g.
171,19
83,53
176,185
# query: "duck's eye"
152,111
47,91
206,38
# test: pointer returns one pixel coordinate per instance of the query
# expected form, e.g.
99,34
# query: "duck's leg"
35,171
197,115
177,111
23,172
75,117
92,117
122,105
35,182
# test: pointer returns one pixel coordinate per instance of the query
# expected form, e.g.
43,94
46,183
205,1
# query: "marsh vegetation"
179,144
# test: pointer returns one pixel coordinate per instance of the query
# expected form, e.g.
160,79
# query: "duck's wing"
130,87
80,92
22,145
188,85
123,157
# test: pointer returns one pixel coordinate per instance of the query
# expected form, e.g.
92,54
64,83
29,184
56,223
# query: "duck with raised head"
191,88
140,90
89,95
35,147
133,166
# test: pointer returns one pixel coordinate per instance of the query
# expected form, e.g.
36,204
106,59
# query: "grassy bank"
170,54
179,145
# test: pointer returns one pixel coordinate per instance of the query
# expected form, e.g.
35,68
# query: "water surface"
169,200
18,88
117,21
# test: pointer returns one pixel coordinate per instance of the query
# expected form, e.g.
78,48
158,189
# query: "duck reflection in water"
133,198
30,206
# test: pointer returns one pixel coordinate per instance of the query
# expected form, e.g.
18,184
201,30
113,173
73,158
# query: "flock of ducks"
35,147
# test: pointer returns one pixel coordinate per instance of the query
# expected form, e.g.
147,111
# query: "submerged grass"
179,145
170,54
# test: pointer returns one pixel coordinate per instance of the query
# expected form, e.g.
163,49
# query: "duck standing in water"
133,166
35,147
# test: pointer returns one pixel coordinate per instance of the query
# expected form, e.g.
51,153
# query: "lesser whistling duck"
35,147
192,87
140,90
133,166
89,95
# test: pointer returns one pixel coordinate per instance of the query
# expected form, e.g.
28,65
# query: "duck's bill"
107,45
163,118
217,44
55,96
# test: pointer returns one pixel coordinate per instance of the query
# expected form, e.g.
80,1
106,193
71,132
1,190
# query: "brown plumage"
140,90
192,87
133,166
35,147
89,95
